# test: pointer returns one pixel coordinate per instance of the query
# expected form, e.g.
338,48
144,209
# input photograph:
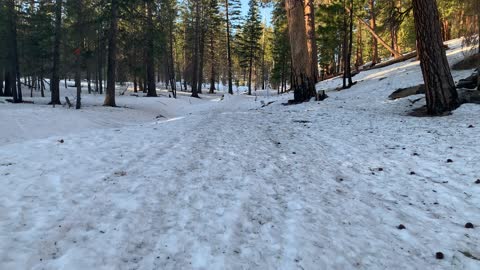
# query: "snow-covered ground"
228,184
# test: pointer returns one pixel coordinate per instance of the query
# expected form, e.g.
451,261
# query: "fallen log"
402,58
409,91
468,96
23,101
471,82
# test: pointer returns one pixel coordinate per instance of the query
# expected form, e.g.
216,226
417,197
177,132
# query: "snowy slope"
232,185
27,121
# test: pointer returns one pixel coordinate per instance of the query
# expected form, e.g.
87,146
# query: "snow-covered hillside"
228,184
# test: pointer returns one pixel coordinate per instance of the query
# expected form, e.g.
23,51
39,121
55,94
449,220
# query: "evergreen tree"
281,48
330,17
232,18
440,89
249,45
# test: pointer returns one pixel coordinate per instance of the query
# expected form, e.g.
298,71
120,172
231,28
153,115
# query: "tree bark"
150,61
229,53
348,65
42,84
112,55
302,81
213,63
263,60
250,67
100,62
12,53
311,39
196,50
359,52
89,81
55,80
78,53
441,94
173,81
201,48
373,26
135,87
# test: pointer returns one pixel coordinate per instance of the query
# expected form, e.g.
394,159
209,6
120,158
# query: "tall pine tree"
249,46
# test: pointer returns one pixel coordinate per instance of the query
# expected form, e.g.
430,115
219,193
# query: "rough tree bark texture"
302,82
55,83
311,40
112,56
440,89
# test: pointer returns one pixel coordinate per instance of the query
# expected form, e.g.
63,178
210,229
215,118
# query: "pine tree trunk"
201,48
373,26
173,81
42,84
311,39
440,89
55,80
12,55
100,63
135,86
345,46
78,83
196,50
140,85
78,53
89,80
150,61
350,46
359,52
112,55
212,67
263,61
229,51
302,81
250,66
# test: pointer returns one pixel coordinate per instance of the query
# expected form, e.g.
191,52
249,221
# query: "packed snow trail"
304,187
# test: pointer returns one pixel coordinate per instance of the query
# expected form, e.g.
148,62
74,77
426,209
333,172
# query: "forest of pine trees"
197,45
